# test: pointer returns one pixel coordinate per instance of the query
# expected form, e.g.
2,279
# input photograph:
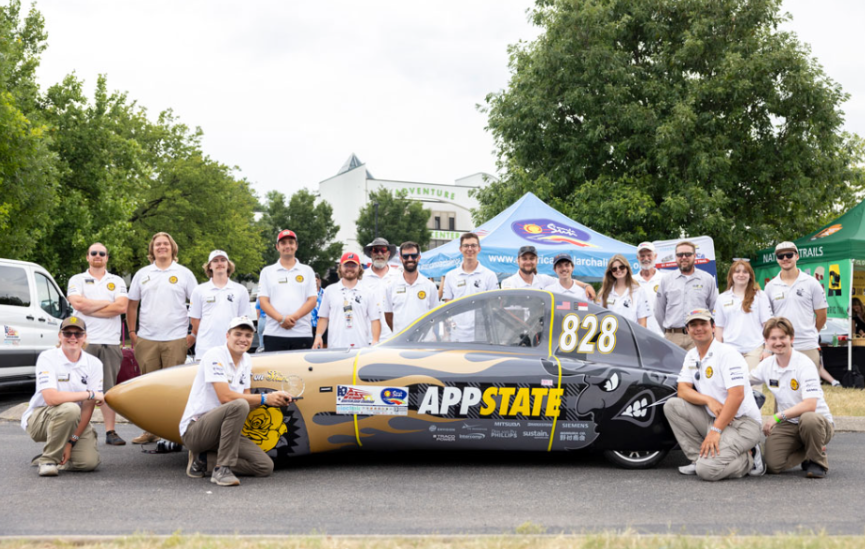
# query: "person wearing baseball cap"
287,294
798,297
68,386
216,411
714,415
215,302
380,276
349,310
565,284
650,280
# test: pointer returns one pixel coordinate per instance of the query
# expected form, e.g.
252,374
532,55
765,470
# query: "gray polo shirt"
679,294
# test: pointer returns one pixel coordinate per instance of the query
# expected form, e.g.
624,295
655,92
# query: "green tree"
399,219
650,119
312,223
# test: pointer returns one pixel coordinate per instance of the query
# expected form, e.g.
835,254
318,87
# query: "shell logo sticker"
794,384
173,280
299,278
656,288
111,286
709,372
73,320
421,295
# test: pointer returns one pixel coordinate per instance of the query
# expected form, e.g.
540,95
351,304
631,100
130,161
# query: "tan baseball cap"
74,322
699,314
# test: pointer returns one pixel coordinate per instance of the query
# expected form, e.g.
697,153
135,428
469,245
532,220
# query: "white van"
31,308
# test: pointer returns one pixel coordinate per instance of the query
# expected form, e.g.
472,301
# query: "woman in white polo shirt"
741,311
622,294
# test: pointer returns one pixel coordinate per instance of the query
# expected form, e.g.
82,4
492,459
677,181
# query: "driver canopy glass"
497,318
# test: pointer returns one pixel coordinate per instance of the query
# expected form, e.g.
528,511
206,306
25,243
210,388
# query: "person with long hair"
741,311
622,294
858,317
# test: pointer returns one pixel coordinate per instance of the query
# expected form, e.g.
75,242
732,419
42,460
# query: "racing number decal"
570,334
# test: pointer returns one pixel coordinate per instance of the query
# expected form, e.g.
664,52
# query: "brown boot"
145,438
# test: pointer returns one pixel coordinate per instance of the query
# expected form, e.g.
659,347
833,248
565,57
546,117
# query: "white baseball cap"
645,246
786,246
241,321
217,253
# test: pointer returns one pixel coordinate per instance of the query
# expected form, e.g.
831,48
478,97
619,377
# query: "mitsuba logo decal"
505,401
548,231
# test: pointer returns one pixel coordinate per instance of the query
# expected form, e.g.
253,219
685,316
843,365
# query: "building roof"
352,163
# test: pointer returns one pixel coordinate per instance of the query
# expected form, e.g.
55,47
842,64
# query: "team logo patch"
421,294
173,279
73,320
299,278
709,372
548,231
111,286
794,384
656,288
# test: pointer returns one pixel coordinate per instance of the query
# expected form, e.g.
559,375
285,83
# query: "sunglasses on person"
69,334
100,254
380,250
786,255
684,254
409,257
618,268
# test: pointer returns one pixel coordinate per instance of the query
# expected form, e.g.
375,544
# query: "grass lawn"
841,401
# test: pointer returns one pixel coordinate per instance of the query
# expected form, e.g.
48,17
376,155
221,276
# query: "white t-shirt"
516,282
215,307
288,290
55,371
408,302
797,304
722,369
163,295
793,384
215,367
381,284
459,283
650,288
574,292
100,331
349,313
742,330
632,305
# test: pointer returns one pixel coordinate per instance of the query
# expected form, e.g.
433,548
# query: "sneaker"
836,383
689,469
48,470
805,464
145,438
224,477
113,439
759,465
197,466
816,471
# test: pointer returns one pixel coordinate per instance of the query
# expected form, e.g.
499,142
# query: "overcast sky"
288,90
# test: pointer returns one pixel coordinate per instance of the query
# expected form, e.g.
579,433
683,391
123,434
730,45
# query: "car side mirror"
65,308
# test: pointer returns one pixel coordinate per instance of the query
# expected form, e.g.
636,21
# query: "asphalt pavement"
418,493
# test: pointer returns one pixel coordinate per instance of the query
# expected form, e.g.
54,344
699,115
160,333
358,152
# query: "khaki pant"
814,355
789,444
111,357
54,426
156,355
752,358
691,423
220,430
678,338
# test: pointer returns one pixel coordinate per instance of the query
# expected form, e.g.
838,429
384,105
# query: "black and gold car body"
524,370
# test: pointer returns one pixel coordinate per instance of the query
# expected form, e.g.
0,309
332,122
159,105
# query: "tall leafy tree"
399,219
650,119
312,223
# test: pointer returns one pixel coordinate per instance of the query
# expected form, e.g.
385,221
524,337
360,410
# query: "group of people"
714,418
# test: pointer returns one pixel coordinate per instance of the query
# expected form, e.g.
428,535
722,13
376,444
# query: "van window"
49,295
14,289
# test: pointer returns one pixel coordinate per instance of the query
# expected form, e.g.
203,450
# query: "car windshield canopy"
508,319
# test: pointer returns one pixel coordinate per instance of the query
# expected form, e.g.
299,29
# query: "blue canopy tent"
531,222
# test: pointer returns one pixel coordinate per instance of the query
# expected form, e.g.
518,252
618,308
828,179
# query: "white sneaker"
836,383
759,465
689,469
48,470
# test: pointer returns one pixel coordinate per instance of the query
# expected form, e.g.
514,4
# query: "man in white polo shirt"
159,331
217,408
563,264
349,309
287,294
469,278
99,298
215,303
714,416
380,275
527,273
799,298
650,280
799,432
411,295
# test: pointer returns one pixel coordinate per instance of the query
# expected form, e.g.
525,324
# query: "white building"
348,191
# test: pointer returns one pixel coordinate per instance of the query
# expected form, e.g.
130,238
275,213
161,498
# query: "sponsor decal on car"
371,401
506,433
472,436
504,401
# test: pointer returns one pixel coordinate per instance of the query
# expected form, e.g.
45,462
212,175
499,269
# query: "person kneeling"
802,427
715,417
216,411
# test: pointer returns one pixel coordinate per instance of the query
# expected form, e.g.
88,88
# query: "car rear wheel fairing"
635,459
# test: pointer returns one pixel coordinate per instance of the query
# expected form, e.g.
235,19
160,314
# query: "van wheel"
635,459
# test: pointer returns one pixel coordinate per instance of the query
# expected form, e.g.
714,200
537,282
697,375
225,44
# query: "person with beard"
411,295
215,302
678,293
380,276
563,264
349,310
527,275
216,411
621,294
650,280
